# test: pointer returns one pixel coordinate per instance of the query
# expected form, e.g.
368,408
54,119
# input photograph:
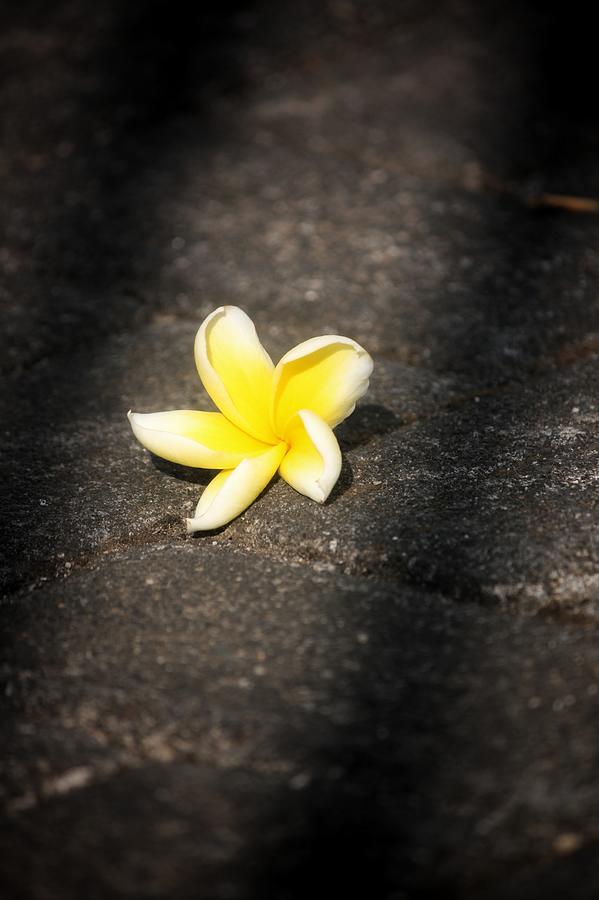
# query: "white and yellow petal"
313,461
326,374
192,438
236,370
230,492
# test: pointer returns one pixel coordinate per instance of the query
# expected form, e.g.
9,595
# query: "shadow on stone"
369,420
344,482
200,477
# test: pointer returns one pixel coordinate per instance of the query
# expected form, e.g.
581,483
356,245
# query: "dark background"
395,693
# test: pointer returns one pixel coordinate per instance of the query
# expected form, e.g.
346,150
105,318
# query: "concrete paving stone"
300,194
432,277
494,499
238,727
76,482
479,494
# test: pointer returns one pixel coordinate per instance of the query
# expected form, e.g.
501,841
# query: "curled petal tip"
231,491
326,374
313,462
325,489
195,524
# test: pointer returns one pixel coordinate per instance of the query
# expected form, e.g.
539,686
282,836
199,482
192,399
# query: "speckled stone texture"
396,693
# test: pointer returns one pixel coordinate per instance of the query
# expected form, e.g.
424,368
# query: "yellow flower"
271,418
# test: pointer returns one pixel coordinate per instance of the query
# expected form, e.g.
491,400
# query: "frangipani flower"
271,418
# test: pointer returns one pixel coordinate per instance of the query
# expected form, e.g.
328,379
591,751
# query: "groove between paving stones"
517,600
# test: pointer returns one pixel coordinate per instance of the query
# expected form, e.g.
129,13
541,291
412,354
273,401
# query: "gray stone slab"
277,181
493,499
237,725
76,481
470,492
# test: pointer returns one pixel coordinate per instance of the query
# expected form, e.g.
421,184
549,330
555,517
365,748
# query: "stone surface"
239,721
398,690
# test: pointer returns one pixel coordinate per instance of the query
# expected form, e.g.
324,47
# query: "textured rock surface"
398,690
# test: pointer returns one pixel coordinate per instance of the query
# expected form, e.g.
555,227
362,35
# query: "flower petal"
236,370
232,491
325,374
192,438
313,462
